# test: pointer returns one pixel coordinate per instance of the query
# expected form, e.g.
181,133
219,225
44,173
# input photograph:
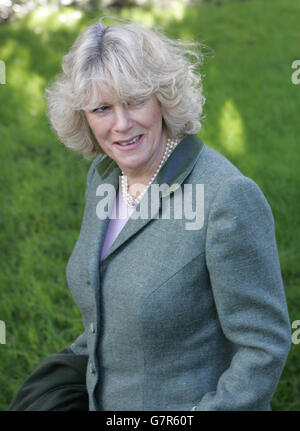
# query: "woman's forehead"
98,94
110,96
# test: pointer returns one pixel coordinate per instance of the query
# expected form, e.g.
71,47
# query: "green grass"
252,117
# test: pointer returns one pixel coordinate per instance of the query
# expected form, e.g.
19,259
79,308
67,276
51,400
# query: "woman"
178,314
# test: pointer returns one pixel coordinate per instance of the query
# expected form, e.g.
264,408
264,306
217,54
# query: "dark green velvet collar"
174,171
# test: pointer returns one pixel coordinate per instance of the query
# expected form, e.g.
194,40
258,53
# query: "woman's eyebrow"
99,105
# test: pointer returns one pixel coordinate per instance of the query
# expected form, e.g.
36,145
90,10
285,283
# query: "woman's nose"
122,120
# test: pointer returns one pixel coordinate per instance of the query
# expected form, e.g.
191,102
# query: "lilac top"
115,225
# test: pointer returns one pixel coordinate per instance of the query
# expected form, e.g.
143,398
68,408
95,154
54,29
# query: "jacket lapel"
174,171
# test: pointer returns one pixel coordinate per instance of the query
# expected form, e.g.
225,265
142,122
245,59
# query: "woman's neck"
137,180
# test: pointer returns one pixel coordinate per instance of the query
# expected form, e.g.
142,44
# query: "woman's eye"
101,109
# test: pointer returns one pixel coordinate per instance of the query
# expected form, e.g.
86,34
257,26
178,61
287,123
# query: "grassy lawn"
251,116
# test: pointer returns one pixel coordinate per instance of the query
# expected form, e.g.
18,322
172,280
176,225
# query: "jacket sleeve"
79,347
244,270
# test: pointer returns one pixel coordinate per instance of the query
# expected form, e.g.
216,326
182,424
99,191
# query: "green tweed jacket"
185,312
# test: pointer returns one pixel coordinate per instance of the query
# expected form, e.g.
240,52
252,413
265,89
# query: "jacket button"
92,369
92,327
89,282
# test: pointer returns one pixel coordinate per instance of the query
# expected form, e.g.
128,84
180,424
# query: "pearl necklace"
131,201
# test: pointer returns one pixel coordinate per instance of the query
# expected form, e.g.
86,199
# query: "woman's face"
115,124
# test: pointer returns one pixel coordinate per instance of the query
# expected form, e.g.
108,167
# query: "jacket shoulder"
219,175
213,167
92,168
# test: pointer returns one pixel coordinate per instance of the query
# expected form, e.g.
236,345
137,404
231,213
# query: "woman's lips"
130,146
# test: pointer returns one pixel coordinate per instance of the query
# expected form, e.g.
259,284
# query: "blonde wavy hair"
132,62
